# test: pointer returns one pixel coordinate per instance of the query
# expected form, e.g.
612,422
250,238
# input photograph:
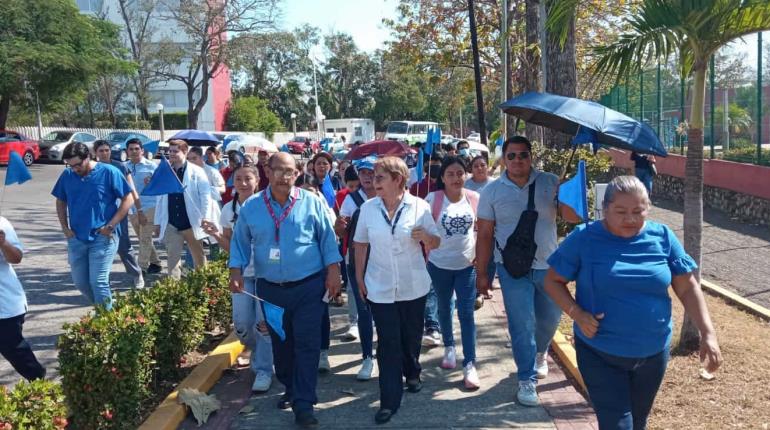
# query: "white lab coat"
197,199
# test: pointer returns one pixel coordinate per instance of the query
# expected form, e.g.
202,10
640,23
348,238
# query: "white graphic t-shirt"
456,225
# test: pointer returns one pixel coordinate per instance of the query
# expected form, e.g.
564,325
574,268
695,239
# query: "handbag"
520,248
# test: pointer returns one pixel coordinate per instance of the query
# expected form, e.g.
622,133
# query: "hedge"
111,362
38,405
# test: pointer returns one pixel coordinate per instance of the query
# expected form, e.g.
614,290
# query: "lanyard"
277,221
395,220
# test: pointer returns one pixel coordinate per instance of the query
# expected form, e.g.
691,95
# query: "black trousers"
399,332
17,350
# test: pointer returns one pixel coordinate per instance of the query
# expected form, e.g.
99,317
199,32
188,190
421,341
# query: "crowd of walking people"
411,247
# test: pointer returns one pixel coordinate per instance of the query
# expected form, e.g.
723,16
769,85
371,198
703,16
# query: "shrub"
213,281
106,367
747,155
252,114
38,405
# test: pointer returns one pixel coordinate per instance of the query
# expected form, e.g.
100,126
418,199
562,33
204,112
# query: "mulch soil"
739,397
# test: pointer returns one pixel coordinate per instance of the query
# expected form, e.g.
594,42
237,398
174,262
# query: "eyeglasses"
76,165
523,155
380,178
284,172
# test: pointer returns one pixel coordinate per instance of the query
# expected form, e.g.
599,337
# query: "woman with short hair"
393,277
623,266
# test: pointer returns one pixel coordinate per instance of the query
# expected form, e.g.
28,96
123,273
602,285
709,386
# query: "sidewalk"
345,403
735,254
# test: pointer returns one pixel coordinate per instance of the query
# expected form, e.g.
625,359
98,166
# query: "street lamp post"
160,120
294,123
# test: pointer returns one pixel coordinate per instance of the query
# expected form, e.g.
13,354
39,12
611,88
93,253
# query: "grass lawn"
739,397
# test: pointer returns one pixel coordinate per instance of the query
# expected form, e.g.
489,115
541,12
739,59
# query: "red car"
303,145
24,146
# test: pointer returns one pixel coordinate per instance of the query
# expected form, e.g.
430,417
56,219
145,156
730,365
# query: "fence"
737,112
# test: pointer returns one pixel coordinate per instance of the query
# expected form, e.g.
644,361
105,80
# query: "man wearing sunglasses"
91,200
532,316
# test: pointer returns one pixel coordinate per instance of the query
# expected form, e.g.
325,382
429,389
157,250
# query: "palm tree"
695,29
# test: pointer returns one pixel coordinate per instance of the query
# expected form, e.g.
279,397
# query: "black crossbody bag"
520,248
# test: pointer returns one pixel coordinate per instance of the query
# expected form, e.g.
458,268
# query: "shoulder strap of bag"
531,199
473,199
438,202
357,199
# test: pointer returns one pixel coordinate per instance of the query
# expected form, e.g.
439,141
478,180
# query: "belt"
290,284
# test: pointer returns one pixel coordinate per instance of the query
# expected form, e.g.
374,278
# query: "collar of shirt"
407,200
292,193
180,171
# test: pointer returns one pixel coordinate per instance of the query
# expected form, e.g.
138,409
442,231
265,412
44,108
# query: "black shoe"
153,268
413,386
305,419
383,415
284,402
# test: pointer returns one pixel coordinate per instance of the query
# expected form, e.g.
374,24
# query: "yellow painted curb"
170,413
567,355
741,302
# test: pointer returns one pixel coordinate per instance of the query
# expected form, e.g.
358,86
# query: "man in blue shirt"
296,261
87,195
141,170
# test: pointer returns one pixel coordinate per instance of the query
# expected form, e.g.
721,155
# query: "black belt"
290,284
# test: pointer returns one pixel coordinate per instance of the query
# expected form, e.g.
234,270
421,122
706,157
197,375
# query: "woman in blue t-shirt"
623,266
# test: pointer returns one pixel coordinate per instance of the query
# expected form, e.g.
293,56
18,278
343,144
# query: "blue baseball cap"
365,163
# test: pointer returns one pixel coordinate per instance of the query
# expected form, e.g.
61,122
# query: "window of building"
358,131
341,129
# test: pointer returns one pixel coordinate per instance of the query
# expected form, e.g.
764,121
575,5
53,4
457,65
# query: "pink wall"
743,178
221,91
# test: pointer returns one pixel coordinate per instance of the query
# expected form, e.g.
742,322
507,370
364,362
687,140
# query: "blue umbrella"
195,135
570,115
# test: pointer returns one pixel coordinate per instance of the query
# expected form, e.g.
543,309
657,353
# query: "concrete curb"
566,352
169,414
737,300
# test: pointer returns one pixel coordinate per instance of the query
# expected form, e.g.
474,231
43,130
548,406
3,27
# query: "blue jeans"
621,389
364,313
461,283
247,313
90,263
532,318
431,310
645,175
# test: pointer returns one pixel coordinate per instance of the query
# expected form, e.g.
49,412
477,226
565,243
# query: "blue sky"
362,19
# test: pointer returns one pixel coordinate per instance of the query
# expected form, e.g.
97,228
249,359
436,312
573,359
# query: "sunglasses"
523,155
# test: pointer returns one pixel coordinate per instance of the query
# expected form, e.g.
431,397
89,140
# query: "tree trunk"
689,337
5,107
561,77
532,58
477,73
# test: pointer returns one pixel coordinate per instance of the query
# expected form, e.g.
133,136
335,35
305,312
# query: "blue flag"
420,162
586,135
499,141
574,193
437,136
328,191
274,317
163,181
17,172
428,146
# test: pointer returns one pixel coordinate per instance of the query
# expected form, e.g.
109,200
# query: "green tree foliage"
346,88
48,48
252,114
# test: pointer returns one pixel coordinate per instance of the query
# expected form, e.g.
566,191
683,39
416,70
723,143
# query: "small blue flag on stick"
420,162
328,191
574,193
163,181
499,141
274,317
17,172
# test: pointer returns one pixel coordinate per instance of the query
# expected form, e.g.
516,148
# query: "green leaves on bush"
747,155
37,405
109,360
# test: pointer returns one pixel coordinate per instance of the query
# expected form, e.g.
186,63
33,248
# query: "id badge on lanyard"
395,242
274,255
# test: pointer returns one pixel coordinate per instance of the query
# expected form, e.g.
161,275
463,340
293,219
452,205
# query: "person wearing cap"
346,228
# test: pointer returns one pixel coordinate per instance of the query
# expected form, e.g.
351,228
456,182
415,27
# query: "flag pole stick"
2,196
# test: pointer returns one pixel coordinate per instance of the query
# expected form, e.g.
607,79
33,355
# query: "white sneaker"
450,358
367,366
471,377
139,282
352,333
541,365
323,361
431,338
262,382
527,394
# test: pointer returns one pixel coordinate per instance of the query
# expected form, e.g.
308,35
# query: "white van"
353,129
409,131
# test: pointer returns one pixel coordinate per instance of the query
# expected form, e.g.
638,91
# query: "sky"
362,19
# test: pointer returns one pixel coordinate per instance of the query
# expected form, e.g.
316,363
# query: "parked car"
248,144
16,142
332,144
53,144
474,136
118,141
303,145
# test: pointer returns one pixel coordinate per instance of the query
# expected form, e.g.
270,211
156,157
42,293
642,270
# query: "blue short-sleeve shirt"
92,200
627,280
